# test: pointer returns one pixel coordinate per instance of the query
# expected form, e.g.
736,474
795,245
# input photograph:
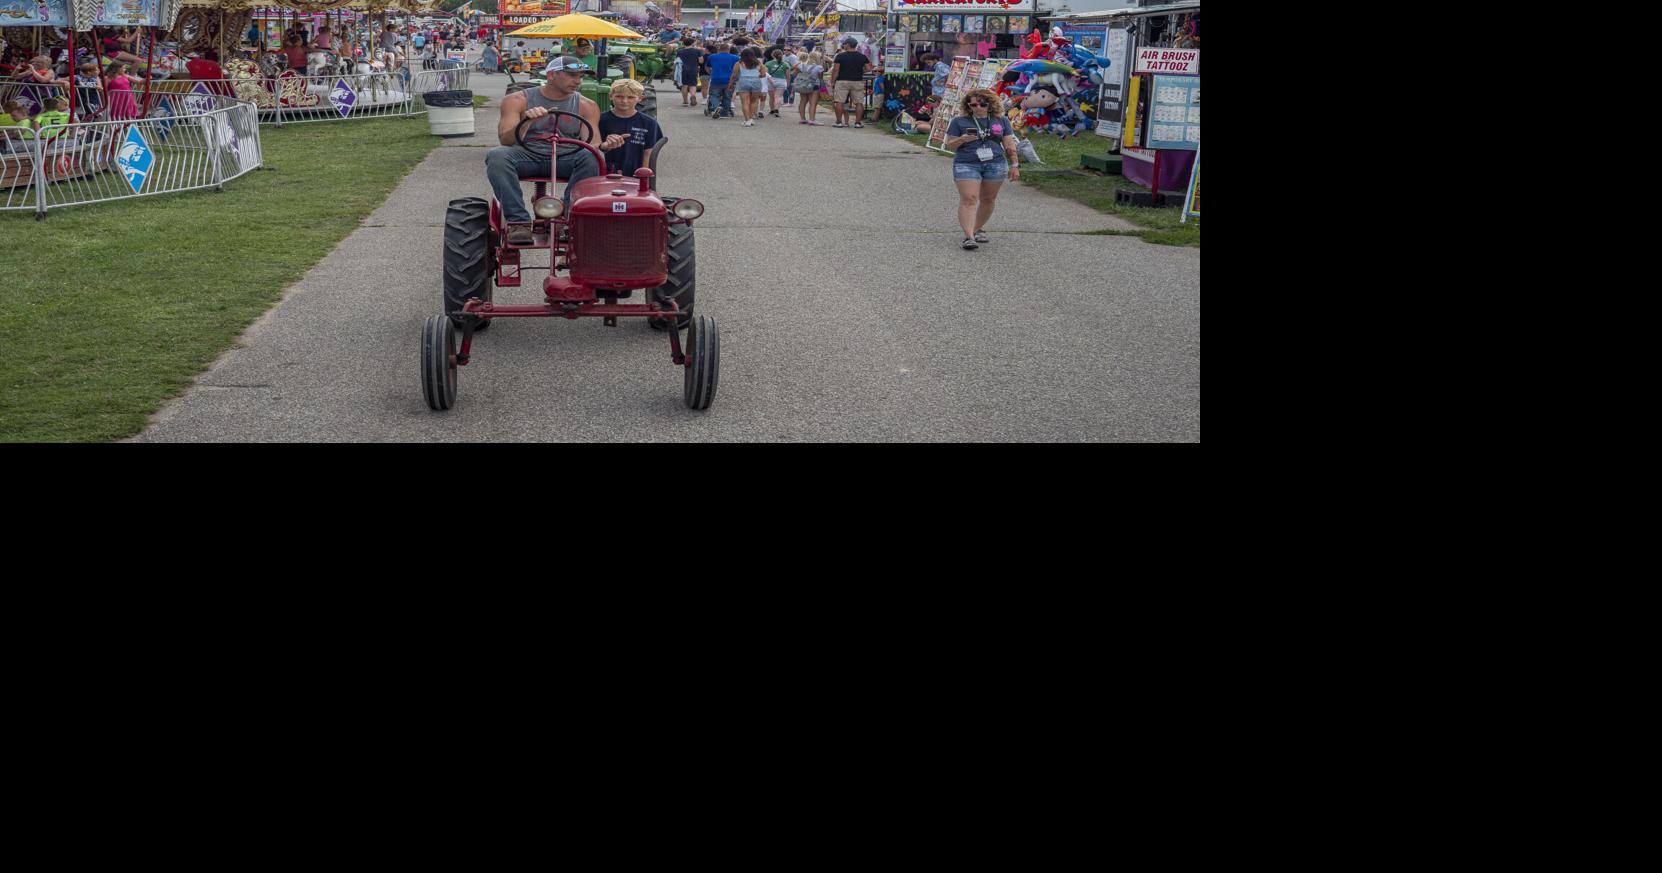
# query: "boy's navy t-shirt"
721,66
643,133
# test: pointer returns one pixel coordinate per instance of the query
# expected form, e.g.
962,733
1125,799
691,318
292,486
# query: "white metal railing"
198,141
338,97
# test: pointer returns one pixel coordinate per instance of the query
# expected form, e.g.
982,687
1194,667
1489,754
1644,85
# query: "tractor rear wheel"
469,257
681,282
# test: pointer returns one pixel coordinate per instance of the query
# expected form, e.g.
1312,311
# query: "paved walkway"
830,259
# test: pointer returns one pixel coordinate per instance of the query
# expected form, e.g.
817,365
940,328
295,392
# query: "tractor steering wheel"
586,131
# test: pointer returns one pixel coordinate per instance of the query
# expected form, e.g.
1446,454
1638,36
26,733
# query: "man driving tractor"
509,162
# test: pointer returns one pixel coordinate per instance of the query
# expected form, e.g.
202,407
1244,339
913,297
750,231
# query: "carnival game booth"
515,14
960,28
1148,103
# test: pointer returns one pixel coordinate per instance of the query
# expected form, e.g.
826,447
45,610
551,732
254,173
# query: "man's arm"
834,68
513,109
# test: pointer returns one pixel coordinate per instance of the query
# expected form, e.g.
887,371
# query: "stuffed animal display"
1055,83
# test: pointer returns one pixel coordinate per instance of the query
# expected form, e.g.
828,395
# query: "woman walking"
750,84
985,157
778,70
791,61
808,71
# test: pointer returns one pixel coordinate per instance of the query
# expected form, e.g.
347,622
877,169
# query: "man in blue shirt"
721,84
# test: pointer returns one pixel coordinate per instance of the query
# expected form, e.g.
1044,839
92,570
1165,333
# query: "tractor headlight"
687,210
549,207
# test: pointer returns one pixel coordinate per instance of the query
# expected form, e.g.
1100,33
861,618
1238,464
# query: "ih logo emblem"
135,159
619,206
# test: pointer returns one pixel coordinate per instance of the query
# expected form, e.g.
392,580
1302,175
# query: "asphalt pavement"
830,259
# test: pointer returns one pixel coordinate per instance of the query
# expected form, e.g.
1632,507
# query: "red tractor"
620,236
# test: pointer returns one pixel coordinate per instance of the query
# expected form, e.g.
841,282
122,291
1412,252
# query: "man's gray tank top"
568,125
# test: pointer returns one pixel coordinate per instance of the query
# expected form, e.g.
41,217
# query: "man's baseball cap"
851,41
567,63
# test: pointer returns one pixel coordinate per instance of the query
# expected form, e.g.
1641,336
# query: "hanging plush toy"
1010,80
1036,46
1037,104
1066,120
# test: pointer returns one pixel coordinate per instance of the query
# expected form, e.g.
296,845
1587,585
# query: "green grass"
480,100
115,308
1062,176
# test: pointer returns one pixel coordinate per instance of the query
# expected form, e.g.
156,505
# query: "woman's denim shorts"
986,171
750,86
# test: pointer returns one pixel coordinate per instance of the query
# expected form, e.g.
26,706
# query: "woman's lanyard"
985,152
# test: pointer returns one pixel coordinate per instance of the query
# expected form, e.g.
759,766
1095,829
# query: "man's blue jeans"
506,165
718,91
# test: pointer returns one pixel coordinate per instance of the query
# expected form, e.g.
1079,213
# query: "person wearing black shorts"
689,56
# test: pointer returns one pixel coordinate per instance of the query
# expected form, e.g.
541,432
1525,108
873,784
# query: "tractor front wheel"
698,388
438,362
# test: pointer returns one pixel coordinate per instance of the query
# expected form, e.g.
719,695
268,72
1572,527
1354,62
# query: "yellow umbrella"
576,25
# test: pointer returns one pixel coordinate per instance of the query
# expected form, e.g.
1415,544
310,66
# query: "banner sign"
53,13
963,6
1172,61
1088,37
894,54
1174,113
1110,106
135,13
538,7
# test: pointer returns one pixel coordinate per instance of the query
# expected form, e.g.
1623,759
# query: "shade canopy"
576,25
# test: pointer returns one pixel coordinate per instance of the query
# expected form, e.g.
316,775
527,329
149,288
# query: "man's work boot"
519,236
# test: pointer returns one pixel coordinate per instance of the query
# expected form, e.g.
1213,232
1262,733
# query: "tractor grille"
625,249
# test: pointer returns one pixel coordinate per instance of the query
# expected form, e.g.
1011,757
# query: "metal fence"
336,97
190,142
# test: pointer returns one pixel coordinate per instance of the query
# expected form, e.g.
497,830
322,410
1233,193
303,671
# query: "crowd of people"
709,73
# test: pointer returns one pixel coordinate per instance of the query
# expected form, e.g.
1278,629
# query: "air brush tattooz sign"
1170,61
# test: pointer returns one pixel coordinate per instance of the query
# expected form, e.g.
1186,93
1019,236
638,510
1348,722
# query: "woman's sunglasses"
978,104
